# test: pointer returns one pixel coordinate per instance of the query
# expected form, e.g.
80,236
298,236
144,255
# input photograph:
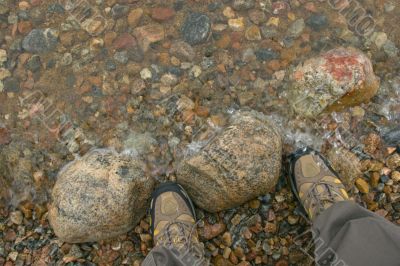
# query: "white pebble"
146,74
196,71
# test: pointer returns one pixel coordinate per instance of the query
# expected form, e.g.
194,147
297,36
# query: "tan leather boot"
313,181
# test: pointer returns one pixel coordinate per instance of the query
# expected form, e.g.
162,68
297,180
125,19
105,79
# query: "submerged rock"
196,29
99,196
239,164
40,41
339,78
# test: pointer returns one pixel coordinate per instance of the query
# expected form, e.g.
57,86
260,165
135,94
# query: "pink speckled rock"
339,78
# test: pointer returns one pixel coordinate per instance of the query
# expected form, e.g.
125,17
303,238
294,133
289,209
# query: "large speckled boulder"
239,164
99,196
339,78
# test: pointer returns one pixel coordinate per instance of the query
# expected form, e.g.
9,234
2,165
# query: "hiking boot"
173,220
313,181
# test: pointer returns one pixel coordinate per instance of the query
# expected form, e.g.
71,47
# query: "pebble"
317,22
296,28
266,54
257,16
196,29
5,137
243,4
11,84
236,24
40,40
196,71
228,12
3,56
393,161
395,176
292,219
279,7
33,63
379,39
146,74
134,17
4,73
149,34
273,21
390,48
162,13
210,231
269,31
227,239
124,41
253,33
362,185
118,11
372,142
16,217
182,50
121,57
66,60
169,80
389,7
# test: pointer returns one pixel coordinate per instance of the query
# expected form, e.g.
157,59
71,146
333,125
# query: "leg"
353,235
344,233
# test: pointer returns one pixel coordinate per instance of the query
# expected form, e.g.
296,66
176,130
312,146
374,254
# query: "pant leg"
165,256
348,234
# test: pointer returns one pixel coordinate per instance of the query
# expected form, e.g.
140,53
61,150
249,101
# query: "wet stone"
121,57
268,31
11,84
40,41
99,196
242,4
236,163
110,65
253,33
5,136
33,63
124,41
296,28
266,54
390,48
134,17
162,13
392,137
339,78
56,8
257,16
149,34
196,28
118,11
182,50
317,22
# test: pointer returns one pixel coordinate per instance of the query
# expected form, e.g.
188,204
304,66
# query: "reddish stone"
149,34
279,7
210,231
36,2
24,27
162,13
310,6
5,137
124,41
343,77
